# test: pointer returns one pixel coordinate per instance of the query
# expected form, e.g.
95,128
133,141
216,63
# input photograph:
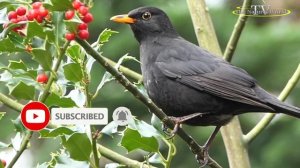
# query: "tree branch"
237,31
113,156
10,102
23,146
196,148
265,121
231,133
53,76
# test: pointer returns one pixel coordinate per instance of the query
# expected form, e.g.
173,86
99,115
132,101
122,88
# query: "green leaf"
19,125
78,97
59,5
145,129
105,35
63,160
79,146
107,77
55,100
4,3
132,140
74,53
35,30
17,65
73,72
7,46
71,25
110,129
89,64
114,165
43,57
16,141
156,158
2,115
59,27
22,91
3,145
53,133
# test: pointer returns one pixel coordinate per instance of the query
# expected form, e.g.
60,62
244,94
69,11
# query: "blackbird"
189,83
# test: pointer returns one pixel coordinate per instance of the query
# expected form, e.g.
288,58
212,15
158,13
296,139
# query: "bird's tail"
282,107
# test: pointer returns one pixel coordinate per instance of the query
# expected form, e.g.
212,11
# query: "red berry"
37,5
83,10
83,34
12,15
88,18
42,78
32,14
3,162
43,12
70,36
82,26
14,20
69,14
76,4
39,19
21,11
22,18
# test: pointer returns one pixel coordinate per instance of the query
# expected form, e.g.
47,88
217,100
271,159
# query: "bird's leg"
178,121
203,159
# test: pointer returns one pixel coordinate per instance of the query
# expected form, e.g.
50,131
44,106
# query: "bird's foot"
178,121
202,158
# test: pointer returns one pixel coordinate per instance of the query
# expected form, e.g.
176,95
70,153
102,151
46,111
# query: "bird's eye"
146,15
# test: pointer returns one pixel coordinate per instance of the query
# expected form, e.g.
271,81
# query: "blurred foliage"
269,51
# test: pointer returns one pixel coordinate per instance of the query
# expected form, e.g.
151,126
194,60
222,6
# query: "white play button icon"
35,116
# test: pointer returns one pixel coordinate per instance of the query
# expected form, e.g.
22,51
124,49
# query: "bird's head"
147,22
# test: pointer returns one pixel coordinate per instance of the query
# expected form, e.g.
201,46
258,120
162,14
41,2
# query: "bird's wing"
214,76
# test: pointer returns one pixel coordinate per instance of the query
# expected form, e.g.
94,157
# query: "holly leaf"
145,129
132,140
53,133
19,125
79,146
43,57
74,53
17,65
22,91
55,100
78,97
8,46
156,158
59,5
73,72
105,35
35,30
110,129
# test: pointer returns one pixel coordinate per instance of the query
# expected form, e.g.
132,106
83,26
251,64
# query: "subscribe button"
91,116
36,116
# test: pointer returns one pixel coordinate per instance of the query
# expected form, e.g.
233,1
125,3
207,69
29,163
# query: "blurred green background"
269,49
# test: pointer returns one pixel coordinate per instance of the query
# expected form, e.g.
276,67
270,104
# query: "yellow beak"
123,19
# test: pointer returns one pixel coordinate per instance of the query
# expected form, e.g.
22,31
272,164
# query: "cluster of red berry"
38,13
85,16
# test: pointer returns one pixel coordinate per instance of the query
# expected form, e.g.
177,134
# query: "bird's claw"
172,133
202,158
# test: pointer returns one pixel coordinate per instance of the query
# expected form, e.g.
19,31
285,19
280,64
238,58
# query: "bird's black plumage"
182,78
